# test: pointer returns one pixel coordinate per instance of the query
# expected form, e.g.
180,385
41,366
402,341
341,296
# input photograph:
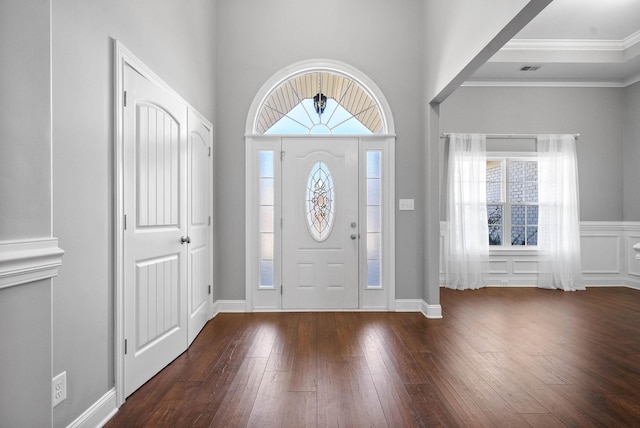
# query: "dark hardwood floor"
501,357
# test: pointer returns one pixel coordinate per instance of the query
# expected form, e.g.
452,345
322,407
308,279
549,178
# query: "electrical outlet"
405,204
59,388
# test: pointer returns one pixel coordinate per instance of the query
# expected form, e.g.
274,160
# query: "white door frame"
269,298
122,58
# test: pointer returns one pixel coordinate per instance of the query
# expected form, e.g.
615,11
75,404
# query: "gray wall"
25,210
381,38
25,355
25,120
595,113
176,40
631,152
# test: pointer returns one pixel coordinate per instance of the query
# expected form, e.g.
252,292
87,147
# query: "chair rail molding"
27,261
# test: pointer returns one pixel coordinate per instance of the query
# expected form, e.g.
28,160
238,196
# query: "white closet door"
155,205
199,223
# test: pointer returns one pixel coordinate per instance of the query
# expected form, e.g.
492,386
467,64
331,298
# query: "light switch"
406,204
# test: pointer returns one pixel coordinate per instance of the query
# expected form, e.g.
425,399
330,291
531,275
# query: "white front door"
320,230
155,260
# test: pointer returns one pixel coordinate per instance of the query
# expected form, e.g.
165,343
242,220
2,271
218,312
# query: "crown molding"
563,45
632,40
632,80
546,84
569,50
573,44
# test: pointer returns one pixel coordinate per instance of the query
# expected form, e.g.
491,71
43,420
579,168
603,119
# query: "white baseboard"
402,305
99,413
633,282
418,305
229,306
408,305
433,312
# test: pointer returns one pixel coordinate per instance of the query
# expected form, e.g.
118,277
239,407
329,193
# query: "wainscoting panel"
525,266
608,258
633,264
499,266
600,253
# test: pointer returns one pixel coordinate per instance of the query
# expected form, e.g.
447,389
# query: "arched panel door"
155,260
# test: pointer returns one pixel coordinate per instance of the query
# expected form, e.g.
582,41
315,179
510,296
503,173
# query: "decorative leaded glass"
320,102
320,202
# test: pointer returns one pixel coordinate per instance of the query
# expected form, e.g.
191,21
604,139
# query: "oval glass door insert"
320,205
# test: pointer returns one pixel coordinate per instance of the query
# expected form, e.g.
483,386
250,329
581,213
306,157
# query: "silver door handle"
185,239
354,236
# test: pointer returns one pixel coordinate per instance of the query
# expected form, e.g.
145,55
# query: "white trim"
26,261
632,283
631,40
229,306
120,55
602,226
239,306
566,45
632,80
312,65
431,311
408,305
546,84
572,44
99,413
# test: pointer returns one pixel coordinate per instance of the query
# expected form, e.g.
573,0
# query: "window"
266,217
512,201
320,102
374,219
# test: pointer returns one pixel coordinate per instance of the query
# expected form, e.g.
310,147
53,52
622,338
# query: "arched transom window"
320,102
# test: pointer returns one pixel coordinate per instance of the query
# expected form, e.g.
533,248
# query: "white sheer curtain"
559,214
468,234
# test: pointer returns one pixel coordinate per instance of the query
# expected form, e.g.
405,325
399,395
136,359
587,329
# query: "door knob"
354,236
185,239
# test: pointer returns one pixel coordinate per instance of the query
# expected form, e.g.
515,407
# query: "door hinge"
281,289
209,220
124,98
282,152
209,289
125,222
125,346
281,223
209,151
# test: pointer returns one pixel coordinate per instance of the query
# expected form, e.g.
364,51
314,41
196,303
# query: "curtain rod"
507,136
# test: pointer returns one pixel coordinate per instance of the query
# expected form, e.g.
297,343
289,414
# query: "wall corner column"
431,161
